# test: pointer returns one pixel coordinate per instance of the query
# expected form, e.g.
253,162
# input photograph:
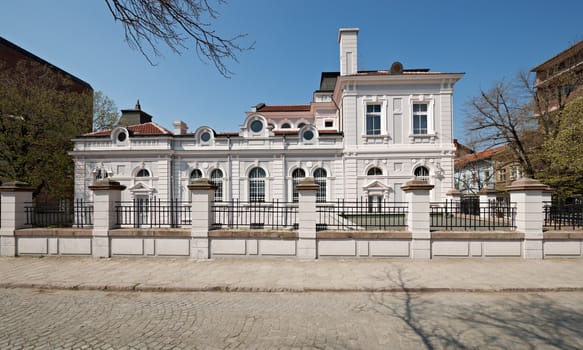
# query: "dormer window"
143,173
286,126
308,135
301,125
256,126
119,136
205,137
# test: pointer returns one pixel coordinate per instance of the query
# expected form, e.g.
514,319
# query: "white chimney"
347,37
180,127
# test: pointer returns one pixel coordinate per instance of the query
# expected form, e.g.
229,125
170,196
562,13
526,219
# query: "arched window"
143,173
257,185
374,171
195,174
285,126
301,125
297,175
320,176
217,180
422,173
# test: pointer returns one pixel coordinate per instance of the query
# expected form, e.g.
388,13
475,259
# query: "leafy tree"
105,112
175,23
564,151
40,112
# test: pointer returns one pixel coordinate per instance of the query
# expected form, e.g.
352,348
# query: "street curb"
238,289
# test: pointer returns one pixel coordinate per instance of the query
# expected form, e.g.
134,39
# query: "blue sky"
294,42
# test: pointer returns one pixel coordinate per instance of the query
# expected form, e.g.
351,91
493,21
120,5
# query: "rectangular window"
328,123
420,118
373,119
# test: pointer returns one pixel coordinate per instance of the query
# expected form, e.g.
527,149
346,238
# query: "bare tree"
503,115
175,23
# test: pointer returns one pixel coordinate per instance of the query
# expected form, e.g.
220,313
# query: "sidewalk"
291,275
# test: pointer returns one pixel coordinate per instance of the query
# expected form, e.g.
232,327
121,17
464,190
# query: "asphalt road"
55,319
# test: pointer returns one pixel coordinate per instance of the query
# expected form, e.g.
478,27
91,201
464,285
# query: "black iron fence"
361,215
59,214
255,215
152,212
560,215
493,215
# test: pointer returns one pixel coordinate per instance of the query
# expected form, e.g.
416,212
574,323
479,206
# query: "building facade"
364,134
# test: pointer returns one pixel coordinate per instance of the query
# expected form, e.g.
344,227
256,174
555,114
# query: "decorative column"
419,217
203,192
307,217
106,193
528,194
15,196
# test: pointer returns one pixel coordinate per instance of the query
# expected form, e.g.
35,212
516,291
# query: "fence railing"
361,215
273,215
559,215
59,214
493,215
153,212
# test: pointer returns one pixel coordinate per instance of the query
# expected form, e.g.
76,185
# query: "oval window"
121,137
308,135
256,126
205,137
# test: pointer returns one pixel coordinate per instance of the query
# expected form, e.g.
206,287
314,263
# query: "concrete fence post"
203,192
15,196
419,217
528,194
106,193
307,218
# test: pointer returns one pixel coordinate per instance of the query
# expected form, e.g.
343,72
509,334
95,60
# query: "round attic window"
121,137
205,137
308,135
256,126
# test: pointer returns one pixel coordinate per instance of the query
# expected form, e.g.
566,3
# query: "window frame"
414,114
372,131
322,192
294,181
218,182
256,185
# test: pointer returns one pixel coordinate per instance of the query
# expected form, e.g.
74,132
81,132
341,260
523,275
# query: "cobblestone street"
48,319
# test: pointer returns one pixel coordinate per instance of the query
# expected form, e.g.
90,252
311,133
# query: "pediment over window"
377,185
141,187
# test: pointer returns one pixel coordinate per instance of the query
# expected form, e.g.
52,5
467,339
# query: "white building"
365,134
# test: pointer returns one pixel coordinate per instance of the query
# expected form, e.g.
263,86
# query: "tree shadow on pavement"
465,320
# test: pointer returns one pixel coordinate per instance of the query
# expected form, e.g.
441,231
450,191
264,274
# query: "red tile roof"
285,108
150,128
487,154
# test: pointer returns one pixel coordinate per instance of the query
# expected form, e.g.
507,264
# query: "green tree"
105,112
40,112
564,151
178,24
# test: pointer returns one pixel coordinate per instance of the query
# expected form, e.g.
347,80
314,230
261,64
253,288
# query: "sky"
294,42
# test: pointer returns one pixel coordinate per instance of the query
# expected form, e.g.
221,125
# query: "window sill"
422,138
375,138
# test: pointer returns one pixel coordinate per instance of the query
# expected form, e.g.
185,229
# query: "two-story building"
364,134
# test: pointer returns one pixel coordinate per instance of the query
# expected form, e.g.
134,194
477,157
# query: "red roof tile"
489,153
150,128
285,108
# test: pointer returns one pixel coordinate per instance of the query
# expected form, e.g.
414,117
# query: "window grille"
257,185
297,176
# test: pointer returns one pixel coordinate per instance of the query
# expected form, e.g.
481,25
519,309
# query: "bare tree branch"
176,23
